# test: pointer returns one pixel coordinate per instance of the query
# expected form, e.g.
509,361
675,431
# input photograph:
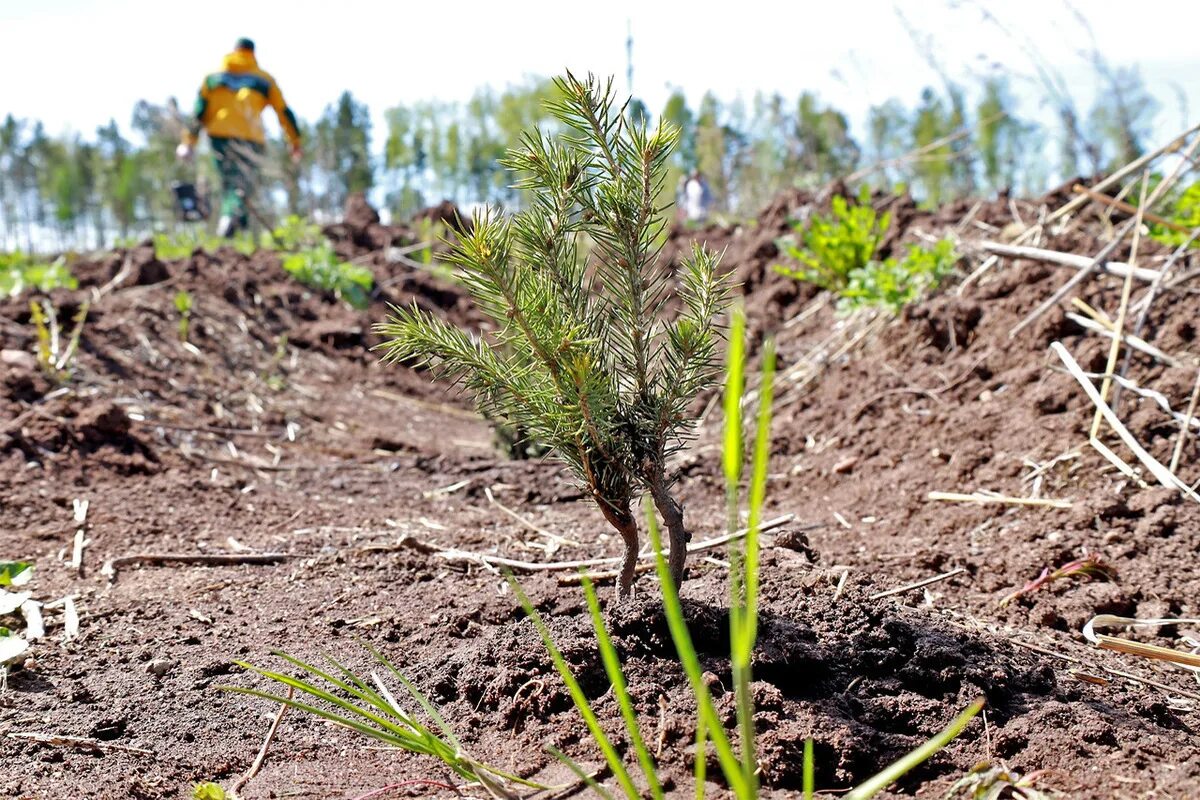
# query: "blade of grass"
577,696
612,667
701,766
734,380
807,780
730,764
579,772
743,618
895,771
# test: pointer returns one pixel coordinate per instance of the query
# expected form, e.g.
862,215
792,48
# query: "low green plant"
12,645
293,234
320,268
182,242
1184,211
989,781
20,272
56,357
839,253
894,283
183,304
1090,567
833,247
370,708
208,791
583,356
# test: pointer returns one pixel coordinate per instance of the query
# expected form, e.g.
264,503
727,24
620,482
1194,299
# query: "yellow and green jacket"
231,103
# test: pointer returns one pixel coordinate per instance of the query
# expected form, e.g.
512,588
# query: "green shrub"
839,254
20,272
833,247
182,242
893,284
293,234
320,268
1185,212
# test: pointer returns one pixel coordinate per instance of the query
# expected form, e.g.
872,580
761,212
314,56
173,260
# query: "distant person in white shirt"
695,198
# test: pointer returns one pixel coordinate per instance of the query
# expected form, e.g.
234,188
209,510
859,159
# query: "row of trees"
86,191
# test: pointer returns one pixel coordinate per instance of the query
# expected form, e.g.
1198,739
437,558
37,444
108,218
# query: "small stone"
160,666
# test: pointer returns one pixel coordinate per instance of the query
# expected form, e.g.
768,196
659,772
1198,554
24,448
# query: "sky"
76,63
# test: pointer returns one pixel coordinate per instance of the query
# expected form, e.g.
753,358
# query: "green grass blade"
612,666
417,695
577,696
895,771
734,379
404,743
730,765
579,773
407,732
701,765
808,780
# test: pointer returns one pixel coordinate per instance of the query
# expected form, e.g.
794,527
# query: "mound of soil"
273,429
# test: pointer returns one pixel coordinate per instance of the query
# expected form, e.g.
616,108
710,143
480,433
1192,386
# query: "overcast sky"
76,63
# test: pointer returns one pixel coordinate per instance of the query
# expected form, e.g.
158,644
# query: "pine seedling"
584,355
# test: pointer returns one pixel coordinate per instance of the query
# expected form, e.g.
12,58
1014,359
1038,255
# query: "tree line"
75,191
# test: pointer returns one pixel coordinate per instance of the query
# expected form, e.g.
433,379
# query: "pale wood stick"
262,751
1079,200
1118,462
111,566
79,742
487,560
528,523
1075,280
1187,424
1072,260
918,584
985,499
1160,686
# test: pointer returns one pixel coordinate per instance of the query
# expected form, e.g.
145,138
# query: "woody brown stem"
677,534
626,525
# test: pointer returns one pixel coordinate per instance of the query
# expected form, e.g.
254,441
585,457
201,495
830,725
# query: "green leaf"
15,573
11,647
903,765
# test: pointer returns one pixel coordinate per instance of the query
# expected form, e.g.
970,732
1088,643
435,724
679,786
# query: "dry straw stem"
1106,328
1163,475
1078,278
1187,660
1186,424
1118,329
988,497
1128,209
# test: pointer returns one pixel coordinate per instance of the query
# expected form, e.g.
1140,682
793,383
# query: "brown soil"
275,429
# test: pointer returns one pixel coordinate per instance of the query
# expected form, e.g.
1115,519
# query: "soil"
274,428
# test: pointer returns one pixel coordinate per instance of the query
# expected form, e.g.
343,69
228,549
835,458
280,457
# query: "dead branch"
112,566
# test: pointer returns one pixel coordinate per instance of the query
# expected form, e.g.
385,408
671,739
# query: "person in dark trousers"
229,108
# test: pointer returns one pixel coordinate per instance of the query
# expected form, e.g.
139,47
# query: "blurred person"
229,108
695,198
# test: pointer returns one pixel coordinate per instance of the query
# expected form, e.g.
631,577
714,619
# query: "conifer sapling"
597,357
